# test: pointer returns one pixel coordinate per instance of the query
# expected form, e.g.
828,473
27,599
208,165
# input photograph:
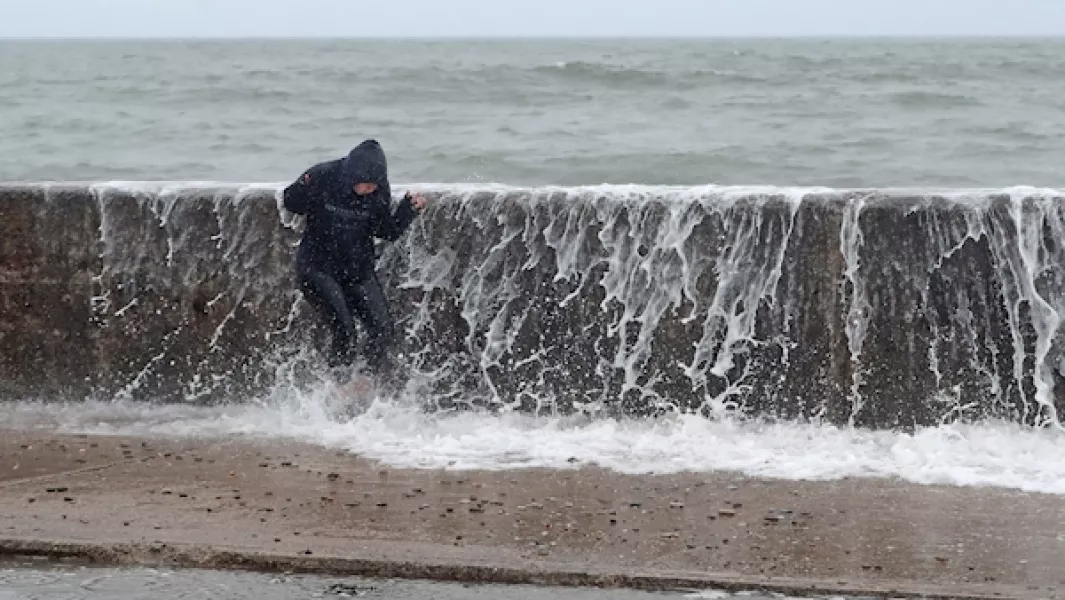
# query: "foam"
400,434
647,285
170,186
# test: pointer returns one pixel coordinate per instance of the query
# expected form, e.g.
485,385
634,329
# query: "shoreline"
265,505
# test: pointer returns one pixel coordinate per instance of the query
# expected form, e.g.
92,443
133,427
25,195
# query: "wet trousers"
338,302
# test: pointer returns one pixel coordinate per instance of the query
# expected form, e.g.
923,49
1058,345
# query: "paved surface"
36,580
274,505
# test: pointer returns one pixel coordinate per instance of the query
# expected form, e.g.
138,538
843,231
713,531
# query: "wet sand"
276,505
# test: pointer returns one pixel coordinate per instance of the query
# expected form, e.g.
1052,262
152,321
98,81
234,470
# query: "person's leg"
369,304
323,292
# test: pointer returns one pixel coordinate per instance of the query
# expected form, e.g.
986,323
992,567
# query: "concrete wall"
875,308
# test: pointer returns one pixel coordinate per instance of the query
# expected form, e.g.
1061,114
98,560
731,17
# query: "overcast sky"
439,18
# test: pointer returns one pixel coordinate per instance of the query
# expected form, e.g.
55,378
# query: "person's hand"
417,200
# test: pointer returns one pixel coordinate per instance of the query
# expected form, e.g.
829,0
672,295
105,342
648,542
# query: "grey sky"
438,18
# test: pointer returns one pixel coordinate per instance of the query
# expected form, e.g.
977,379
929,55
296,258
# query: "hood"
366,163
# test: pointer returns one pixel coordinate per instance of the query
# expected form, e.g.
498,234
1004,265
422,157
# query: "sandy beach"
275,505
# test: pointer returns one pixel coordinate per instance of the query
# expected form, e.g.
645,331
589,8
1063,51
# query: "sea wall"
875,308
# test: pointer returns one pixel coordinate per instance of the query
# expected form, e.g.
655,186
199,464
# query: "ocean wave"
507,255
991,454
618,74
930,99
168,186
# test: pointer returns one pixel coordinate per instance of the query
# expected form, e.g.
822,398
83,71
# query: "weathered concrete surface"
870,308
274,505
139,295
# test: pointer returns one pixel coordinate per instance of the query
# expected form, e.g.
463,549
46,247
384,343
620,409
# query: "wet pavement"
30,581
275,505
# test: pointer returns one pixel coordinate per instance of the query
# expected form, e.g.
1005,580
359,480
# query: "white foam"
992,454
709,594
174,186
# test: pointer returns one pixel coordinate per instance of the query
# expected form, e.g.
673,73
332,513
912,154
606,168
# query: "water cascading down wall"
872,308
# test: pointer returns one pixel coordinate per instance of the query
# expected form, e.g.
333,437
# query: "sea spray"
871,308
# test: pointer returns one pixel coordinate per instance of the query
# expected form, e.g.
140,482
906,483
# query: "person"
347,202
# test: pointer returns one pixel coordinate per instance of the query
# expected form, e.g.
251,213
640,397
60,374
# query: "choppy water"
818,112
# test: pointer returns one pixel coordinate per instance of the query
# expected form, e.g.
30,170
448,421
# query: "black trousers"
338,302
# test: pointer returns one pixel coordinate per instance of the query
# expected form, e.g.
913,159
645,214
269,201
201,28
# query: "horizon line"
538,37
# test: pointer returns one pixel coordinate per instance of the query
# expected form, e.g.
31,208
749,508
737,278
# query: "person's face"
363,189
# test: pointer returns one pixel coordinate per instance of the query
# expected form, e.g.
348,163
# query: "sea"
818,112
838,113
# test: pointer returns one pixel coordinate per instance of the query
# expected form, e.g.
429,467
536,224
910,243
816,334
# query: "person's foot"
361,385
357,386
341,374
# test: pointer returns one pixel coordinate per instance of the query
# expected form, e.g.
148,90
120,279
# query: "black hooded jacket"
340,224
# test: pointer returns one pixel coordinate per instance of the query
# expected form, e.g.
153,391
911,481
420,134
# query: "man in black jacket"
347,202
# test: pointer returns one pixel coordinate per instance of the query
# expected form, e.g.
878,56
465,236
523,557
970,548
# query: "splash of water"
400,433
884,308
